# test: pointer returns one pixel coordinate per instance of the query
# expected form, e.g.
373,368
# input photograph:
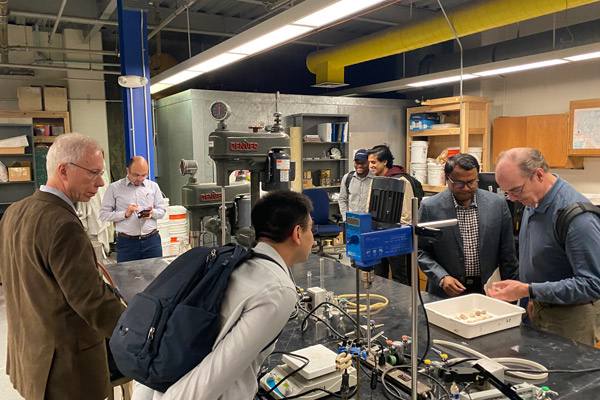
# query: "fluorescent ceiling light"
582,57
217,62
180,77
441,80
523,67
157,87
271,39
336,12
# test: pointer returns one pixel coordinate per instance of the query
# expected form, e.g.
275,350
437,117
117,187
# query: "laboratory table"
552,351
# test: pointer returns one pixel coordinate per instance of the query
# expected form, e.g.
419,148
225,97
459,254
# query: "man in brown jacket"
58,309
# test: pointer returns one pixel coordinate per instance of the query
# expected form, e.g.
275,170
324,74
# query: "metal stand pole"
414,354
223,217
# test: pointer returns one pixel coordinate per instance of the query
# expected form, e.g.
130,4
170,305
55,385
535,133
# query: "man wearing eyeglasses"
468,253
59,311
134,203
562,281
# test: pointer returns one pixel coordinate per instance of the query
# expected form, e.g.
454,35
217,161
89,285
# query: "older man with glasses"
562,280
59,312
134,203
468,253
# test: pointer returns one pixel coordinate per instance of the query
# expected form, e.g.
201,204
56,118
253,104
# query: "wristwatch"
531,296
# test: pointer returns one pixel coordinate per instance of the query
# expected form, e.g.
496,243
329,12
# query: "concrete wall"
183,124
546,91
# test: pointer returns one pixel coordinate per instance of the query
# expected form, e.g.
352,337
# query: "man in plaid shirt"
468,253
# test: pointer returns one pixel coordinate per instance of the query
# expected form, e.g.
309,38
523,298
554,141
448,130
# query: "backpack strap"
348,179
266,257
567,214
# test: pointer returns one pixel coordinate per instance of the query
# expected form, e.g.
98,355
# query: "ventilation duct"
470,18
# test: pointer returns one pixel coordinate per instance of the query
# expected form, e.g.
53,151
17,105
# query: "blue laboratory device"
367,247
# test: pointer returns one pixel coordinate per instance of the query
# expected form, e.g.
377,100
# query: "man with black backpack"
561,278
259,298
381,163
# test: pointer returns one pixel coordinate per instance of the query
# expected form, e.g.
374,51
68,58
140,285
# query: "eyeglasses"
517,192
94,174
460,184
139,175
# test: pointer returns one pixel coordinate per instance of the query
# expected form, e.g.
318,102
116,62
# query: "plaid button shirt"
468,223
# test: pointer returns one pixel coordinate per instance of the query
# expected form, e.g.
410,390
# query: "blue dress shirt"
569,275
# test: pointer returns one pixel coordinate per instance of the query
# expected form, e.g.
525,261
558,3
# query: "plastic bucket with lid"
418,152
435,174
476,152
419,172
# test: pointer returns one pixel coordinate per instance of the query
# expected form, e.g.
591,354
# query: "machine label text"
243,146
210,196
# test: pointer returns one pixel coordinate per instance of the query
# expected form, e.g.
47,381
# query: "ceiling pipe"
4,31
171,17
93,21
60,11
63,50
328,65
51,68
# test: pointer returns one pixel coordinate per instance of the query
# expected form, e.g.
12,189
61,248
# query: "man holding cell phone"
134,203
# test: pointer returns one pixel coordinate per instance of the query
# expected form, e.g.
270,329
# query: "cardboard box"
30,98
339,239
55,98
41,130
12,150
19,171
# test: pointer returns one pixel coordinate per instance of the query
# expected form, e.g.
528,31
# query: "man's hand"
509,290
452,286
130,210
148,213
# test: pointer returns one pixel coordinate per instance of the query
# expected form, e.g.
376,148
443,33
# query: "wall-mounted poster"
584,128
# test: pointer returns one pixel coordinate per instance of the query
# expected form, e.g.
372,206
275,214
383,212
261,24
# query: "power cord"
305,363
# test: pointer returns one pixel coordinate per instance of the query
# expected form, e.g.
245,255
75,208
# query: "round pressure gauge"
334,152
220,111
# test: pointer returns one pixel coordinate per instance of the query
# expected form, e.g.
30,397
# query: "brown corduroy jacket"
58,309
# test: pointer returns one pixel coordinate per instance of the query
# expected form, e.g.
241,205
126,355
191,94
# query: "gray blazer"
446,256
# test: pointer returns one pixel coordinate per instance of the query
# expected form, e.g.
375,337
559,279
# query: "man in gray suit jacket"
468,253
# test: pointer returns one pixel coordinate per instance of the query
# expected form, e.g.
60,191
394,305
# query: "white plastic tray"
504,315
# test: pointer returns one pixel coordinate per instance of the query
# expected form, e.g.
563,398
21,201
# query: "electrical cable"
385,385
559,371
363,307
437,382
309,313
538,371
320,390
427,326
304,359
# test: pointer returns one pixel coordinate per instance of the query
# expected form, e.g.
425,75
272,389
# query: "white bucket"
419,172
418,152
178,226
476,152
435,174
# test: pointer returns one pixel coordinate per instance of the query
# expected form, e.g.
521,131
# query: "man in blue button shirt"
134,203
562,282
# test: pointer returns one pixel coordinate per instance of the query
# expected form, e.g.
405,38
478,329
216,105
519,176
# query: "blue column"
137,105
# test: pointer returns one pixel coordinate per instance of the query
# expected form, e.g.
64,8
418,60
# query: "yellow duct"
470,18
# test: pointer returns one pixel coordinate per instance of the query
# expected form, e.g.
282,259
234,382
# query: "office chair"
322,225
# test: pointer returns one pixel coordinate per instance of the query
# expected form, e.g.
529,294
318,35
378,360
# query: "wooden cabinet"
475,125
547,133
16,123
315,157
15,191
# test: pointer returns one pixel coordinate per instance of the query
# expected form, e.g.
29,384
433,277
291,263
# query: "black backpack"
170,327
414,182
567,214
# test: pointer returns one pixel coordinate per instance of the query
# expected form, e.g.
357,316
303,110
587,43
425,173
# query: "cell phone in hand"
144,213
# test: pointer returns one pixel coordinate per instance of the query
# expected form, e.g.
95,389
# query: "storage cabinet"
17,123
15,191
315,157
547,133
475,125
